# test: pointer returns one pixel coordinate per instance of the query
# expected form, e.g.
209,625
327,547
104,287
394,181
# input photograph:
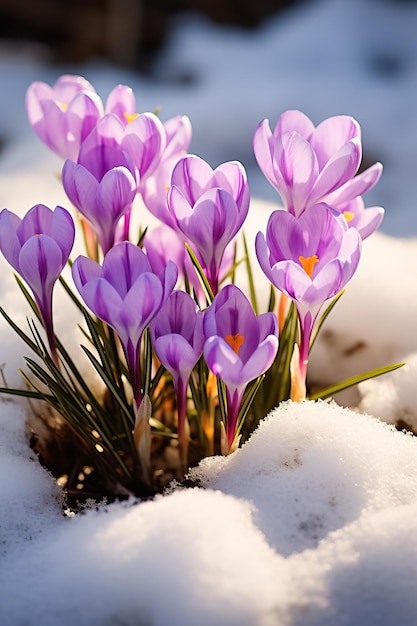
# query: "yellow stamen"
130,116
308,263
62,105
348,215
235,341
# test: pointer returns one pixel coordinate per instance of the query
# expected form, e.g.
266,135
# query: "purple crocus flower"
112,161
308,164
209,207
310,259
38,247
102,202
125,294
178,341
63,115
102,184
240,346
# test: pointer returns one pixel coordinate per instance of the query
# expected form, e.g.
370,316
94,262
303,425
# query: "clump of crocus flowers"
182,352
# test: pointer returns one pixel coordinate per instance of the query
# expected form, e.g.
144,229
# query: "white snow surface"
314,520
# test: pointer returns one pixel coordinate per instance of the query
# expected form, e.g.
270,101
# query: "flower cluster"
165,317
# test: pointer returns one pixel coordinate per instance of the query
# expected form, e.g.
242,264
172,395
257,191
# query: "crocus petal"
179,315
123,265
297,164
339,169
213,223
163,243
9,241
155,192
263,256
262,150
68,85
290,278
178,205
260,360
231,177
145,141
80,186
178,135
176,355
104,301
368,221
141,304
37,93
63,230
82,115
267,325
294,121
169,278
57,223
223,361
357,186
231,313
40,263
116,193
83,270
331,134
109,131
192,175
121,102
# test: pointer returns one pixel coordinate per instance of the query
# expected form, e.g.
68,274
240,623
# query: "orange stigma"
308,263
235,342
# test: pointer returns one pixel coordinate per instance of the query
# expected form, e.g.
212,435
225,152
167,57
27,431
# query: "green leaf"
109,382
272,300
252,289
28,297
142,235
19,332
247,400
24,393
354,380
200,273
221,391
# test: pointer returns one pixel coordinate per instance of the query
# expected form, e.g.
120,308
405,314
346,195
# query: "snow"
313,520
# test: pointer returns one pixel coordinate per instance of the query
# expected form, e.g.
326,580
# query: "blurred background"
228,64
128,32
